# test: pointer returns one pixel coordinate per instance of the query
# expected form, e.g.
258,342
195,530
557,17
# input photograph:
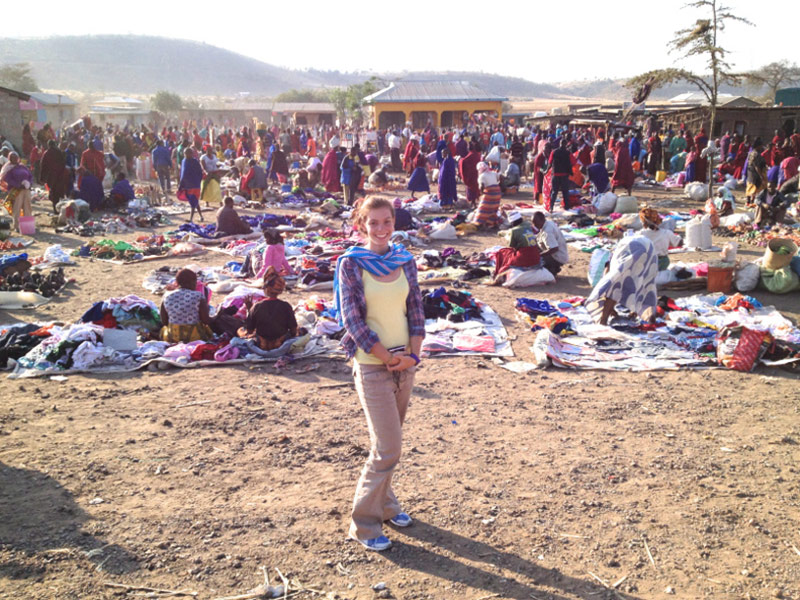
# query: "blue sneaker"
401,520
377,544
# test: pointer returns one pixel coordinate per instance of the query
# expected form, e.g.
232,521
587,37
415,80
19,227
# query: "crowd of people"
377,295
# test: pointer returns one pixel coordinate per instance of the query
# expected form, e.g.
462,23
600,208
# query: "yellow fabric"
185,333
210,191
386,313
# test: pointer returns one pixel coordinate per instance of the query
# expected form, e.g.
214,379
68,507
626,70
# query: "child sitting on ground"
274,255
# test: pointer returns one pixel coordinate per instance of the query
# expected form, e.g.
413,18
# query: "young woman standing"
380,307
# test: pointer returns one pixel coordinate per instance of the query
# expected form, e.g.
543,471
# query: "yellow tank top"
386,313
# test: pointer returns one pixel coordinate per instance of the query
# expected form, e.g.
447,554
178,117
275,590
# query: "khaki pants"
22,203
384,396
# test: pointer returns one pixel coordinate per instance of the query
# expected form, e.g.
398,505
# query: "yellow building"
439,103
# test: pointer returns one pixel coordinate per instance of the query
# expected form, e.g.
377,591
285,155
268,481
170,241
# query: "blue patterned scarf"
375,264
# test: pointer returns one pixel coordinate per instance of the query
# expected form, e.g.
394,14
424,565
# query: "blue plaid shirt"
354,307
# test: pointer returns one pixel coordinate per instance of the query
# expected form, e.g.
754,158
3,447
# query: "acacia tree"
349,101
700,40
166,102
18,76
773,76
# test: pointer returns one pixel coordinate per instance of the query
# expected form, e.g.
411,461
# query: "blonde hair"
362,208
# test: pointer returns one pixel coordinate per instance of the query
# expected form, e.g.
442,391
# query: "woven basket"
775,261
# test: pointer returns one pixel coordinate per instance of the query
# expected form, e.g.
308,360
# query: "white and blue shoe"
377,544
401,520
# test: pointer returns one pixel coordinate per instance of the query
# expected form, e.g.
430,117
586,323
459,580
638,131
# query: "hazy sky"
543,41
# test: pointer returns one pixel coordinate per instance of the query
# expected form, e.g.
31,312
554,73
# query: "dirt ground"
552,485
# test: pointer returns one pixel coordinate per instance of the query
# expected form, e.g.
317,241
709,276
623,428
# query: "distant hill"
142,65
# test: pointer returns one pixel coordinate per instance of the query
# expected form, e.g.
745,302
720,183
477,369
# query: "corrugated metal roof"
43,98
19,95
432,91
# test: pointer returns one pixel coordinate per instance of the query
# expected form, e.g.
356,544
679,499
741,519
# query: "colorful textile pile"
686,336
540,314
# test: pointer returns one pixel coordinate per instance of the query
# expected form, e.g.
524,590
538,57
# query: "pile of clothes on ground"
121,334
209,230
456,323
144,246
694,332
449,265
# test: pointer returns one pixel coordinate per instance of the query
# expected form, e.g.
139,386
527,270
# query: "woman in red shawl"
701,139
330,172
623,168
468,170
740,158
410,155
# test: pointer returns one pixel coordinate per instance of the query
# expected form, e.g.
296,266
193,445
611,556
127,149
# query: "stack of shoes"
46,285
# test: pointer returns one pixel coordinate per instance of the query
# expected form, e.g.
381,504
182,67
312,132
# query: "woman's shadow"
535,581
38,515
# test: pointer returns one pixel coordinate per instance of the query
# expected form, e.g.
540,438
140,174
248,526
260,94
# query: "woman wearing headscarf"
184,311
623,168
486,213
630,281
468,169
662,239
270,321
447,179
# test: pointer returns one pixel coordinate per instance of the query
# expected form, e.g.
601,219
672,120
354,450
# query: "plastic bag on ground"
443,231
517,278
605,204
696,191
746,278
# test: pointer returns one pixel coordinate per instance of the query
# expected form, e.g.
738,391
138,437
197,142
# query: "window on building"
740,127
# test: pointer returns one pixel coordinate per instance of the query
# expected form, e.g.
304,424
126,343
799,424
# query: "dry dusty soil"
552,485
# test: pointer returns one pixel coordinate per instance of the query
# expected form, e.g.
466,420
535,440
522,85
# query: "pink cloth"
275,256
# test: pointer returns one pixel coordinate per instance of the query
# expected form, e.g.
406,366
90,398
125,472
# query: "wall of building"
433,109
755,122
11,121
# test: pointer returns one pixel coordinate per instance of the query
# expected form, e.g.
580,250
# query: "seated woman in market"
184,312
724,202
522,252
662,239
122,192
270,322
90,189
